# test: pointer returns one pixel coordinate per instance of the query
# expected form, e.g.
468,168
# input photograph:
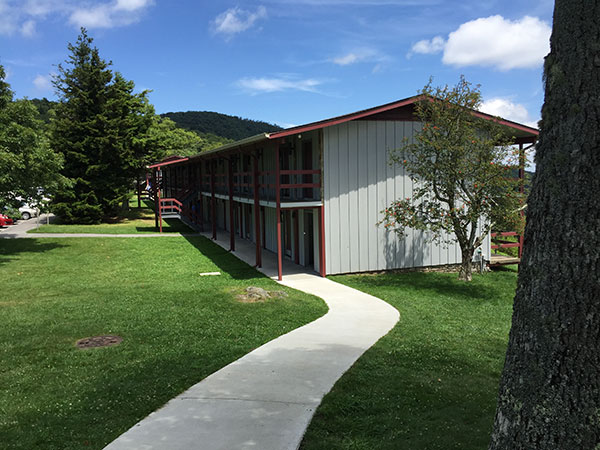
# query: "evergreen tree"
97,121
549,395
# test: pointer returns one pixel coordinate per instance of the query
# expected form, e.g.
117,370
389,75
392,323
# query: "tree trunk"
549,394
466,268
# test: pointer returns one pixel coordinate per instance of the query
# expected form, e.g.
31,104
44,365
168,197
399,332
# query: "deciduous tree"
460,165
550,388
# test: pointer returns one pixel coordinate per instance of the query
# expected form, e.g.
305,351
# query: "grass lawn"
177,326
432,382
132,221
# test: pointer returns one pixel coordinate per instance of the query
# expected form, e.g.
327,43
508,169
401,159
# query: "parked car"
27,211
5,220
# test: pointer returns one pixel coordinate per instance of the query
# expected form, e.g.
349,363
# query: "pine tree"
97,121
550,388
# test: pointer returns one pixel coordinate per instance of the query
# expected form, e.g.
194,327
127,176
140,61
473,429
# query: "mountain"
223,125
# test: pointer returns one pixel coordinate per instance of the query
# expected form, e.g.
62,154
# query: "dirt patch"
99,341
258,295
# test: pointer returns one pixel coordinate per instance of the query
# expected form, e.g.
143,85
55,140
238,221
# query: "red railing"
498,242
168,205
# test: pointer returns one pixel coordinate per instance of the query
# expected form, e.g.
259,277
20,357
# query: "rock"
257,292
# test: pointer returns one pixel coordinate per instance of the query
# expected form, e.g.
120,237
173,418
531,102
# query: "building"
313,193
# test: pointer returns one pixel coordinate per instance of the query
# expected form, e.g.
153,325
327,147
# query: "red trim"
256,212
278,211
322,241
231,220
344,118
166,163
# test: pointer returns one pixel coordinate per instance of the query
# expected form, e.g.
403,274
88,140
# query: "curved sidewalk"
266,399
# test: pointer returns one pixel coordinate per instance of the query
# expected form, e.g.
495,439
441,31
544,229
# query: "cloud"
267,85
363,55
428,47
23,15
507,109
498,42
492,42
345,60
28,28
235,20
42,83
109,15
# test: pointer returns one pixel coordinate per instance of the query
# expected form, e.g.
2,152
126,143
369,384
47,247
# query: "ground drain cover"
99,341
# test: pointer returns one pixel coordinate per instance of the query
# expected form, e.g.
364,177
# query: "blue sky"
289,62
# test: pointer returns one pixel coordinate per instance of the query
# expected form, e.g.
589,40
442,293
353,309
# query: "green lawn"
432,382
177,326
132,221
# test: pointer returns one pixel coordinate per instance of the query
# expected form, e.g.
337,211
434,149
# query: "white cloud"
109,15
345,60
497,42
43,83
428,47
235,20
507,109
28,28
265,85
22,16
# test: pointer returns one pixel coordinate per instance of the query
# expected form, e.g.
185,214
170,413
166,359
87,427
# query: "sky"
289,62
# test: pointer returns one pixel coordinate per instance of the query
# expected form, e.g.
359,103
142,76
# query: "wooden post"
278,211
256,210
201,206
139,192
231,220
155,199
322,240
213,205
296,213
159,213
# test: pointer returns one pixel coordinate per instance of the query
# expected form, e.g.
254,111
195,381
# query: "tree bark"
466,269
549,394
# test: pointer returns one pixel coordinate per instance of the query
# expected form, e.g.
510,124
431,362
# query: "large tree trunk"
550,388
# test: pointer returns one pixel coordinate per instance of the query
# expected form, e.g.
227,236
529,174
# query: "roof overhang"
521,133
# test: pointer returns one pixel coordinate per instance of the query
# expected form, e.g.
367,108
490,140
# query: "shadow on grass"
12,247
443,284
224,260
174,226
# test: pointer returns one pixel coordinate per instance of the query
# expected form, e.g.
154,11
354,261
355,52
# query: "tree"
459,164
549,395
98,121
29,169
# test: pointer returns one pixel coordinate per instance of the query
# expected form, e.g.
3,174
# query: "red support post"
296,213
201,203
213,206
155,199
278,212
322,241
256,211
159,213
231,221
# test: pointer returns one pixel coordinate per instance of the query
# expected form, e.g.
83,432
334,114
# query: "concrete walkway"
266,399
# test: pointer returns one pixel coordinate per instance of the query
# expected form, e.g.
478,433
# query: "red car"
5,220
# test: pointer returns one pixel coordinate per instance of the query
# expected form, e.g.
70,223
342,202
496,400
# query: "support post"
322,241
278,211
159,213
201,205
231,220
257,234
155,196
139,190
213,201
296,213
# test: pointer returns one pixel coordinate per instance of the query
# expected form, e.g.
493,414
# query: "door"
309,243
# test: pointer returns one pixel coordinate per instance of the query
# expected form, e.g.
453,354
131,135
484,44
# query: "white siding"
358,184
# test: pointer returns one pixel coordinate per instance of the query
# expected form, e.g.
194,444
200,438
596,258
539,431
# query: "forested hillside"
230,127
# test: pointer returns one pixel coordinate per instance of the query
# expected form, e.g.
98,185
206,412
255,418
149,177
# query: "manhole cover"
99,341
